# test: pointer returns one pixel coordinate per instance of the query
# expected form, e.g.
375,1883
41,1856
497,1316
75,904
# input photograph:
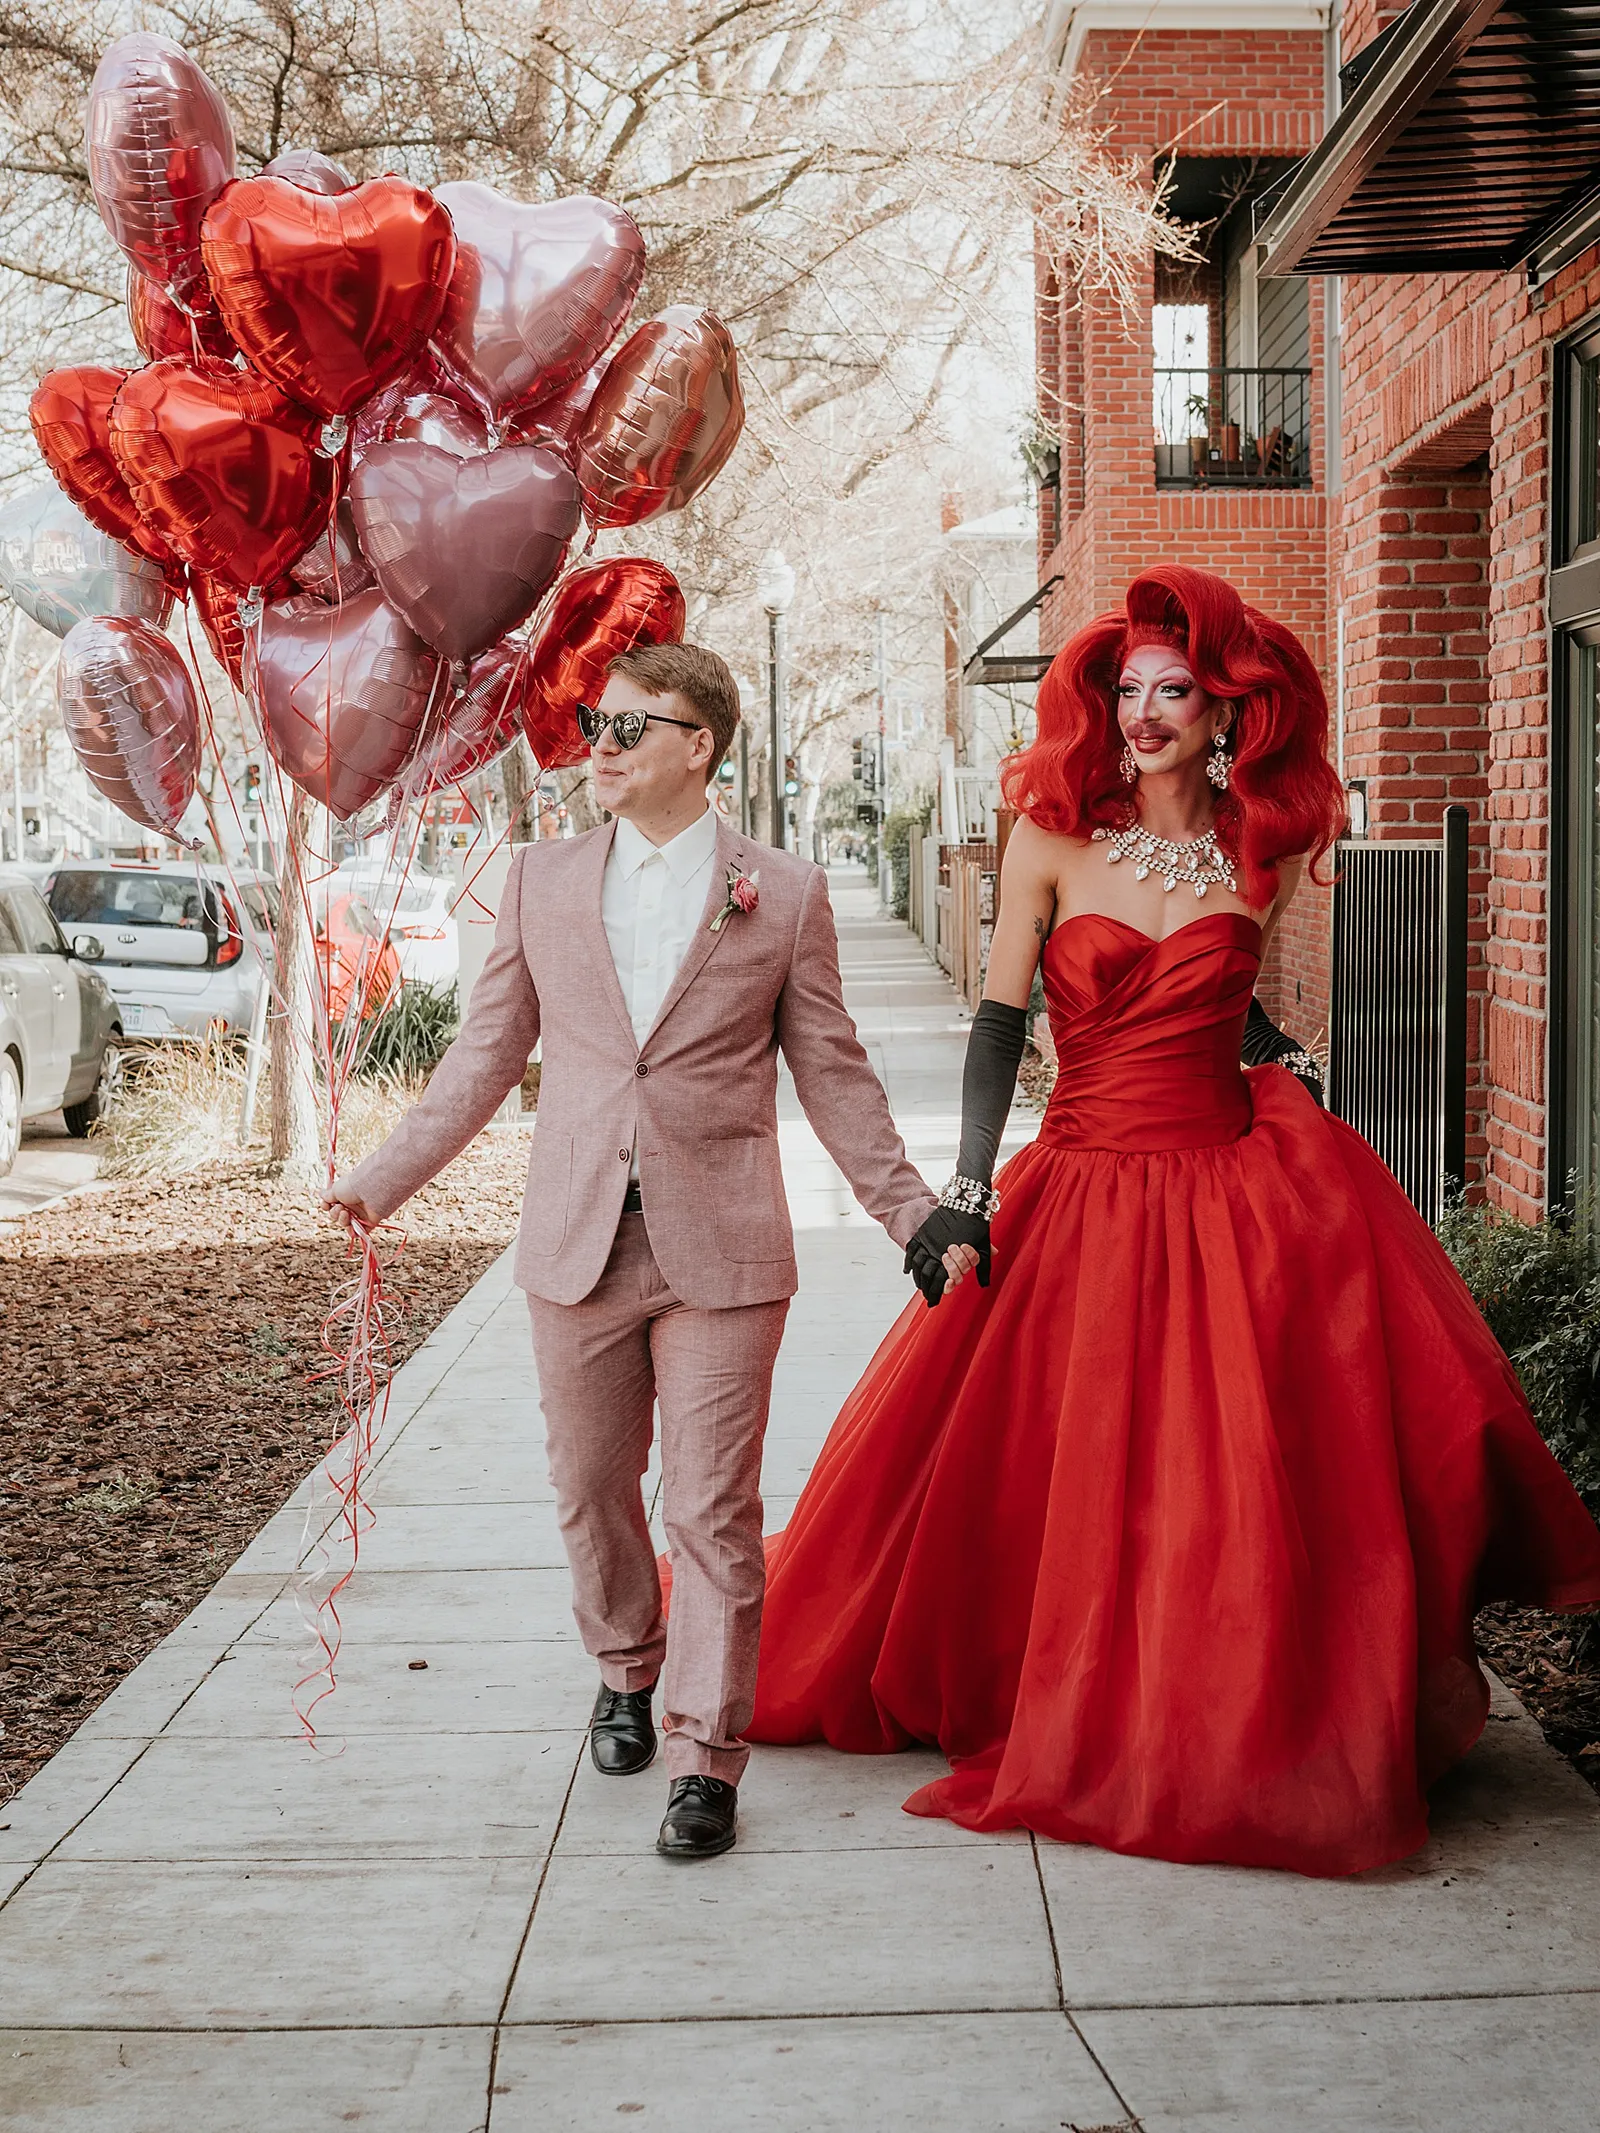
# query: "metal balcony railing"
1233,428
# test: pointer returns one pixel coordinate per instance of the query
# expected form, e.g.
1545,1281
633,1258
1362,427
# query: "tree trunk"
294,1148
519,786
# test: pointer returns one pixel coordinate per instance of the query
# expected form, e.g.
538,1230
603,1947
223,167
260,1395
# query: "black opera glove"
1264,1044
925,1253
989,1078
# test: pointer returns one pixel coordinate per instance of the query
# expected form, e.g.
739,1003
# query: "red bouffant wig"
1284,799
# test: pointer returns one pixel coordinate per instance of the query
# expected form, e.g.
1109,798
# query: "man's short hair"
699,677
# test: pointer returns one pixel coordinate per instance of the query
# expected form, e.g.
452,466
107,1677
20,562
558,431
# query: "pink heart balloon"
312,171
463,548
333,567
538,293
479,723
160,149
130,712
558,420
413,409
343,696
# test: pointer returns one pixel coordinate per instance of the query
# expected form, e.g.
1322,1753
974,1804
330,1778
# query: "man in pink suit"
662,961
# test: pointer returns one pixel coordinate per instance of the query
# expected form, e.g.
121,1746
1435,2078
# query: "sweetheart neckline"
1153,940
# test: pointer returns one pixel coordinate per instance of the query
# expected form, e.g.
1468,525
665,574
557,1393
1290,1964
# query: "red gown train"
1172,1538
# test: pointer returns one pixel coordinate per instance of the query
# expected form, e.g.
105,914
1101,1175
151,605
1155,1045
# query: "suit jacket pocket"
752,1209
548,1198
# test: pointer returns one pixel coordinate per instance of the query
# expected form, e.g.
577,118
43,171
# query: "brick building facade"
1415,561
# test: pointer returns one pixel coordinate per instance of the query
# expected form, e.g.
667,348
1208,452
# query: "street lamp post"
776,587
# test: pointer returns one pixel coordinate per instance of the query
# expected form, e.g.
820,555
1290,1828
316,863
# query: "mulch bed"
155,1408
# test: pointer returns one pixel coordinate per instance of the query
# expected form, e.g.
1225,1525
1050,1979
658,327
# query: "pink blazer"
700,1093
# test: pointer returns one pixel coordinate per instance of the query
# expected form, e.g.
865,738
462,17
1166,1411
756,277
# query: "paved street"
448,1921
49,1164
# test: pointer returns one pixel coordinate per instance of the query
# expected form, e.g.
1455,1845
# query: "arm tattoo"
1040,928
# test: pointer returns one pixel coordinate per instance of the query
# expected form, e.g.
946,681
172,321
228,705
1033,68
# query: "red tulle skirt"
1172,1539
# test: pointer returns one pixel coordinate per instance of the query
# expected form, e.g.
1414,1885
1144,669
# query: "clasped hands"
949,1246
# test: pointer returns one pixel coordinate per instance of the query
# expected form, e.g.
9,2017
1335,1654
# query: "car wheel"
80,1117
10,1112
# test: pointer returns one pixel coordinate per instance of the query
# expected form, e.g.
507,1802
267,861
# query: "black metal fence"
1249,428
1398,1036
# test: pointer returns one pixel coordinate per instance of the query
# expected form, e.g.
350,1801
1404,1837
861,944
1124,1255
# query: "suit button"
641,1070
622,1155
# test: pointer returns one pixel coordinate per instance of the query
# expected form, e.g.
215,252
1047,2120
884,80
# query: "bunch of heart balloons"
371,422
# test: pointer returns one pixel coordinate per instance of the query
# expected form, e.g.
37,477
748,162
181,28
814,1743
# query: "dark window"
34,926
96,898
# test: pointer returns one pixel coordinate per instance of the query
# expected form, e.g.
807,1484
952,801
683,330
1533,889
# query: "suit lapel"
732,851
592,919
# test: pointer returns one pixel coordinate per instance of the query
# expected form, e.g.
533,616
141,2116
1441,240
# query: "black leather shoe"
701,1819
621,1737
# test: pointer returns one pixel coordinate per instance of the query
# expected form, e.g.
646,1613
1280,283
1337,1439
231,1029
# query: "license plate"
132,1018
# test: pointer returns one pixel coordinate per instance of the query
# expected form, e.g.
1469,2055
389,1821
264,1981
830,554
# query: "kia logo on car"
127,939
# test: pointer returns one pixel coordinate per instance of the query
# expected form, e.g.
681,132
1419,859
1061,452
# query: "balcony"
1233,429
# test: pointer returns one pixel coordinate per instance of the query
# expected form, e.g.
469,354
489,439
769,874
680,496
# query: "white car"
183,948
422,930
59,1025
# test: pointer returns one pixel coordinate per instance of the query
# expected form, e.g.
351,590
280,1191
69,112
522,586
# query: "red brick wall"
1440,567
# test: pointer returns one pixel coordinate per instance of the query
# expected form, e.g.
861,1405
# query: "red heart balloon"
600,609
71,416
344,695
217,605
329,295
225,466
161,329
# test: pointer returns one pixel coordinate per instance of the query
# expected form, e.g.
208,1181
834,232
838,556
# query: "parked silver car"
184,949
59,1025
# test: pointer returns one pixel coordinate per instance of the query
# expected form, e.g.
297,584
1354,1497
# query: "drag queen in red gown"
1171,1535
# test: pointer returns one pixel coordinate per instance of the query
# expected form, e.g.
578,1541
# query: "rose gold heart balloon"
667,414
463,548
344,693
311,170
479,723
537,295
558,421
130,712
333,567
160,147
414,408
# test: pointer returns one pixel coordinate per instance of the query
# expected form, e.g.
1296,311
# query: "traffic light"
858,760
726,772
252,785
791,777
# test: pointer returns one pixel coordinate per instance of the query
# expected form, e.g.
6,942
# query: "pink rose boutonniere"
742,896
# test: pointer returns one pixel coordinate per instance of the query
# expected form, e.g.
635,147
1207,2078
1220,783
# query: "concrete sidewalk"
455,1923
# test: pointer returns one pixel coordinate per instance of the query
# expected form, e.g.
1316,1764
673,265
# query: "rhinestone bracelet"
970,1196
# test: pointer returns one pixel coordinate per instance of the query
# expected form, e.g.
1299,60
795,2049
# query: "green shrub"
1538,1285
411,1035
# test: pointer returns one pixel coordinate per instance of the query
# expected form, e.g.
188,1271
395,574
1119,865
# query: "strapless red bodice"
1147,1032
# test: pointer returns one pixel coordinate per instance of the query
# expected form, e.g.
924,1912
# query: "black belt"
632,1200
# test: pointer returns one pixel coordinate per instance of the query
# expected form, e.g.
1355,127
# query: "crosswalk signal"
791,777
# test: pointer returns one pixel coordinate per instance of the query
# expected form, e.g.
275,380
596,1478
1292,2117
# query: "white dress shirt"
653,901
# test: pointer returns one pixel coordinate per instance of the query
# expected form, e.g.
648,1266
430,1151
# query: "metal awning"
983,672
1471,131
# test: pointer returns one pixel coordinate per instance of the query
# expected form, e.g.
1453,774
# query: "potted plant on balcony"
1198,408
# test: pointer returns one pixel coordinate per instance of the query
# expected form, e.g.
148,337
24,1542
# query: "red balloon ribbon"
225,466
599,610
329,295
71,416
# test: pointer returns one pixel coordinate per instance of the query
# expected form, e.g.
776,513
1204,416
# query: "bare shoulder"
1041,859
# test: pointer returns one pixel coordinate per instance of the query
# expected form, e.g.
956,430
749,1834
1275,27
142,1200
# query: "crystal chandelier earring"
1217,761
1128,767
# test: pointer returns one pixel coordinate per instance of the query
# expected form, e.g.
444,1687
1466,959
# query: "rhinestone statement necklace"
1197,864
